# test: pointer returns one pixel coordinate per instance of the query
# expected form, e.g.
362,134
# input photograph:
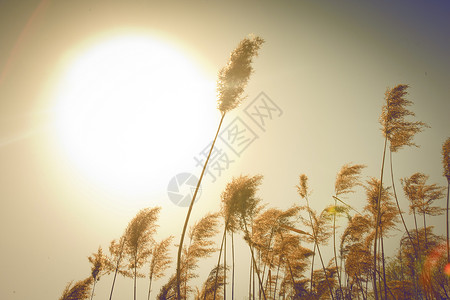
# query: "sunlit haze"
110,107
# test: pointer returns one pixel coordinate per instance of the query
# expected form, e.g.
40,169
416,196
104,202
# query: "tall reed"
446,164
232,80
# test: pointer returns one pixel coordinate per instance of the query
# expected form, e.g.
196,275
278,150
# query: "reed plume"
446,158
395,127
422,197
79,291
213,286
347,179
138,239
98,261
233,78
160,261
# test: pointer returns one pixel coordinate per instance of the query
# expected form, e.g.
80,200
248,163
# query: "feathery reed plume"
98,261
240,193
160,261
422,197
79,291
138,238
233,78
303,188
231,82
446,163
201,246
399,131
347,179
446,158
213,286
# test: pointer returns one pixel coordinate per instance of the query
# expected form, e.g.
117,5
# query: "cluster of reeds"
283,243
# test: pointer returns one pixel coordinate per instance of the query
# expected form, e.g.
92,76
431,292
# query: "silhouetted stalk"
349,206
93,288
117,267
312,268
425,230
218,262
361,287
254,261
375,291
446,217
289,266
180,246
398,205
334,249
382,260
271,261
417,231
318,249
340,265
276,279
446,164
225,267
135,274
379,275
149,288
324,271
232,258
250,280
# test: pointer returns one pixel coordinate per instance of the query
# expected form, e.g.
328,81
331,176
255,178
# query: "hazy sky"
325,67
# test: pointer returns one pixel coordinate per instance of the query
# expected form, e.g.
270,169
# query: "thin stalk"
425,228
446,216
289,266
180,246
218,263
349,206
117,268
312,268
358,281
225,267
334,248
398,205
382,260
254,262
149,287
250,280
417,230
375,291
276,279
232,274
93,288
135,274
318,249
324,271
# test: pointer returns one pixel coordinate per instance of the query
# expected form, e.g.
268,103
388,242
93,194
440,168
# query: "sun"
132,111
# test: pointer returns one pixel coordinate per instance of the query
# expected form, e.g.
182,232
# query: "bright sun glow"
132,112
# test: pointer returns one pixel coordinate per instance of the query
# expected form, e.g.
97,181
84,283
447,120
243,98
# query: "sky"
322,71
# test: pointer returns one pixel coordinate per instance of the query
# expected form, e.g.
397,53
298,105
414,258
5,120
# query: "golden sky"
324,68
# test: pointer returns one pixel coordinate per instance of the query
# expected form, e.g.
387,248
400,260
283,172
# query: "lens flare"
447,269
